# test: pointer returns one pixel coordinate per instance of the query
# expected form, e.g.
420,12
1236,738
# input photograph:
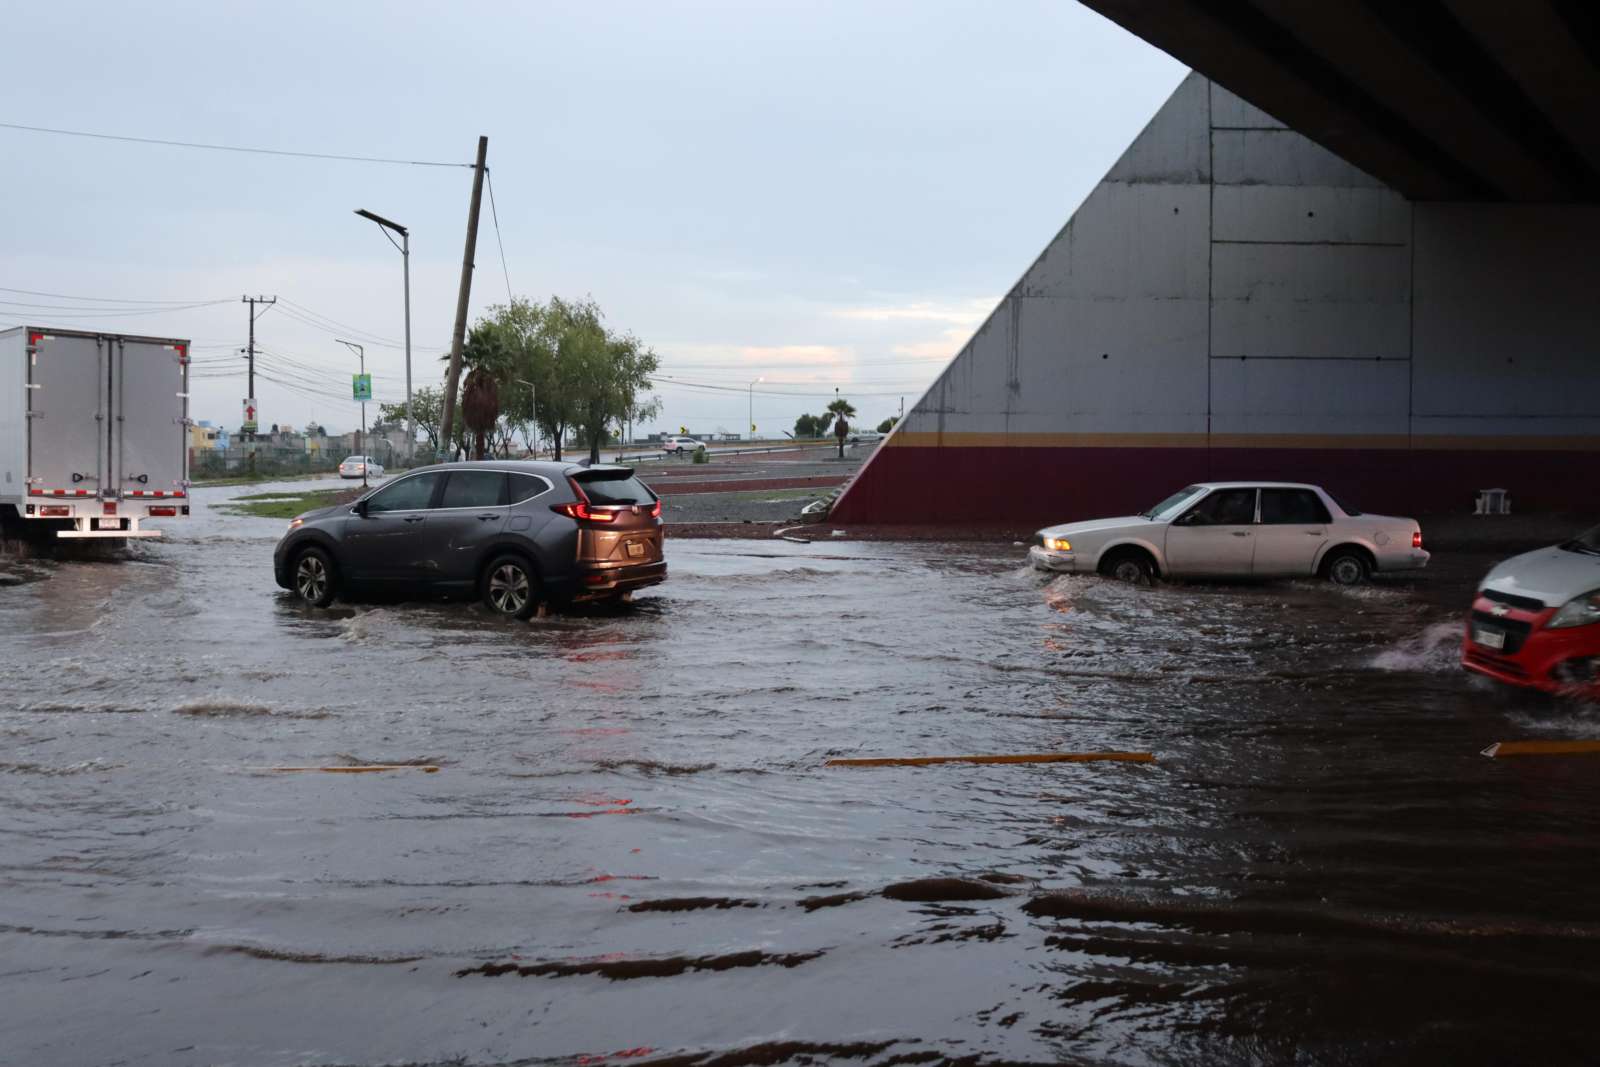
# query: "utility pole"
458,337
250,391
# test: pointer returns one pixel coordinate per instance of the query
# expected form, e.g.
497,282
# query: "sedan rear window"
1292,507
615,486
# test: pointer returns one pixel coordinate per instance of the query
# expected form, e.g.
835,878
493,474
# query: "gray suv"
516,534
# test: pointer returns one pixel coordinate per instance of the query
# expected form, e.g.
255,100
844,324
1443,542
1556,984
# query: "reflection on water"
632,850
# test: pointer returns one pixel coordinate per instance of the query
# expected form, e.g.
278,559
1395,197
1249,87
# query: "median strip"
1038,757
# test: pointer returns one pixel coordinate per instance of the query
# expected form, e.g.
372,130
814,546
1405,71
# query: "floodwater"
632,852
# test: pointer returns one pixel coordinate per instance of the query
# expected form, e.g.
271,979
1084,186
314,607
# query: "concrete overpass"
1360,245
1464,100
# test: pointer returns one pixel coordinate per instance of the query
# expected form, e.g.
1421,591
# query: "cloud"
959,313
948,344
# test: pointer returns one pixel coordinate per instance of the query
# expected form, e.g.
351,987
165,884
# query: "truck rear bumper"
83,527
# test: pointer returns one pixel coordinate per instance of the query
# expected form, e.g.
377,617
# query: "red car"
1536,620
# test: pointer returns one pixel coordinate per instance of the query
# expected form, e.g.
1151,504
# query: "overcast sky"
821,194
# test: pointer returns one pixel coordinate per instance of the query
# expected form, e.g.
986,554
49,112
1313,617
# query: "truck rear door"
150,401
67,413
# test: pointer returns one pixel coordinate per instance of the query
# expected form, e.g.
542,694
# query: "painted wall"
1233,301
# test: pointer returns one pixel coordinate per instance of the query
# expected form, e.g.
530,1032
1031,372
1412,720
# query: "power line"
495,215
229,148
106,299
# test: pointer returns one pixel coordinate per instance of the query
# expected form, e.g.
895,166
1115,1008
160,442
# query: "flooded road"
632,853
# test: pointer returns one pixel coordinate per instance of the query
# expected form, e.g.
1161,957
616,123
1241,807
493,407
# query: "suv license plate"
635,549
1488,638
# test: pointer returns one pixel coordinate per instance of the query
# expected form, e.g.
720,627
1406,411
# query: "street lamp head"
358,349
381,221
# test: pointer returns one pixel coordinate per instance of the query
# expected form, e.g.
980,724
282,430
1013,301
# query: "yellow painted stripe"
1543,748
1042,757
425,768
1393,442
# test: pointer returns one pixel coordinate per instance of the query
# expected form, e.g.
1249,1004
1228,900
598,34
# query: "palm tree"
480,408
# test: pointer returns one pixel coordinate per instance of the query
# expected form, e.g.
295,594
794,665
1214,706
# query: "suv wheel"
314,580
510,588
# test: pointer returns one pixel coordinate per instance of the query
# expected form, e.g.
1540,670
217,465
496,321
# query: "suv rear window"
617,486
474,489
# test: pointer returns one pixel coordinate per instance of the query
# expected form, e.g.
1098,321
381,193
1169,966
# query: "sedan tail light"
1416,539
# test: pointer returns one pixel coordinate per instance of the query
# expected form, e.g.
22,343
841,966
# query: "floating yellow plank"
1543,748
425,768
1038,757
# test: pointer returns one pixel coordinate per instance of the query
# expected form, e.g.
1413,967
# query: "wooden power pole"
453,377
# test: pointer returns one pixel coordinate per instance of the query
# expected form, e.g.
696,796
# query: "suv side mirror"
360,508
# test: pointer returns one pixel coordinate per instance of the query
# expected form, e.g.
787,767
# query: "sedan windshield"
1172,503
1587,542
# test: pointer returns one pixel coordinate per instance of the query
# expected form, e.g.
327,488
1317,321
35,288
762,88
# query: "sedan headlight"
1579,611
296,522
1058,544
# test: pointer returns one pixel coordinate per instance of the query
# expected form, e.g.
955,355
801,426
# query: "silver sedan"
1235,530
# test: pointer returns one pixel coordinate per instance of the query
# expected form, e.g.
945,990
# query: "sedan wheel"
1346,568
510,589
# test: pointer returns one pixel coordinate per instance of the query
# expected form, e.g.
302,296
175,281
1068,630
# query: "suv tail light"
655,512
584,511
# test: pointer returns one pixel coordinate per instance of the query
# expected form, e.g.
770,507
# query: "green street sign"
361,386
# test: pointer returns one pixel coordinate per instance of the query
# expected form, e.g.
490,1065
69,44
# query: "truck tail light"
168,512
52,512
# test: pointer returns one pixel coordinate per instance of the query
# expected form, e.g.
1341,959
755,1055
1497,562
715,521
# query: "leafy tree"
806,426
888,424
427,404
825,424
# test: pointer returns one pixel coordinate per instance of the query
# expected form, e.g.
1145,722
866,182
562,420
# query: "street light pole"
533,405
361,353
752,411
405,262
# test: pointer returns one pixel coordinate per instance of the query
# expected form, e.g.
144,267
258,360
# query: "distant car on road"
1536,620
680,445
1235,530
865,436
516,533
358,466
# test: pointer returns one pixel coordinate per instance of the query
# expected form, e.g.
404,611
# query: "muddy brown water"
633,853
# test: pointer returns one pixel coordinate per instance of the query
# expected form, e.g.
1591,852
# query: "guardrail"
777,446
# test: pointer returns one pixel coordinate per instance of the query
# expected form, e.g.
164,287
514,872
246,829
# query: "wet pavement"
632,853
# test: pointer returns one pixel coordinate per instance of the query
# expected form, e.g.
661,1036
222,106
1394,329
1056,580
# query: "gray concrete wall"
1229,276
1233,300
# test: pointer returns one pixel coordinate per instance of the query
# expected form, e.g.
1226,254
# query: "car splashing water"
631,848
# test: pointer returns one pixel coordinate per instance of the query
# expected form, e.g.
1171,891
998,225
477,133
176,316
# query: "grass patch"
284,506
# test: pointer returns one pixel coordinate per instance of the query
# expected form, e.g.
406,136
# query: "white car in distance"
680,445
360,466
1235,530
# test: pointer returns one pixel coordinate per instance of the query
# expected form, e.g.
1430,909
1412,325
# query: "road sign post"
249,423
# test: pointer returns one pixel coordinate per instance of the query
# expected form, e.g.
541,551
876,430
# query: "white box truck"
94,432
